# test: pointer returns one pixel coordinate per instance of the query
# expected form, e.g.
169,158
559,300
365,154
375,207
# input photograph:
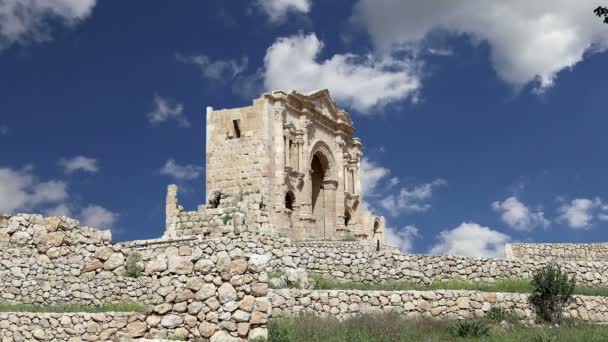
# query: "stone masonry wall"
386,266
558,251
237,163
450,304
204,292
357,261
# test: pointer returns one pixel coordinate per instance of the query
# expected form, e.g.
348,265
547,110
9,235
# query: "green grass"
275,274
116,307
394,328
501,285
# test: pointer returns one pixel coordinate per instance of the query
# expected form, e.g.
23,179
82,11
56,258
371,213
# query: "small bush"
545,338
133,265
470,329
499,314
552,290
276,274
348,238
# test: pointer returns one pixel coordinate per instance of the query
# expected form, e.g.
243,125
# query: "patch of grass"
275,274
325,282
107,307
133,268
348,238
498,314
395,328
469,328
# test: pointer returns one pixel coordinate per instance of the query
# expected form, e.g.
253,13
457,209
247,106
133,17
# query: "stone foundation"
558,251
444,304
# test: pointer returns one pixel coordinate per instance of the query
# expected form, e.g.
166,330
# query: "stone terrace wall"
240,212
558,251
358,262
206,292
386,266
449,304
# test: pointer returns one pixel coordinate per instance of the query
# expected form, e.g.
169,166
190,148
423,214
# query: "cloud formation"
277,10
361,82
581,212
529,41
3,130
25,21
98,217
79,163
21,190
402,238
166,110
181,172
218,70
376,180
518,216
471,239
411,200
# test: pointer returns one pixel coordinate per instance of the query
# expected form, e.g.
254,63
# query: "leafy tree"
552,290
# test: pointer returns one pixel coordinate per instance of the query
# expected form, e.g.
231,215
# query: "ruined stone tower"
297,153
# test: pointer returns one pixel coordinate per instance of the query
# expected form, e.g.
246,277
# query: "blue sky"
481,123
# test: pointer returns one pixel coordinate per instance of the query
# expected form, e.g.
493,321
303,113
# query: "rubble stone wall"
54,260
107,326
236,213
449,304
558,251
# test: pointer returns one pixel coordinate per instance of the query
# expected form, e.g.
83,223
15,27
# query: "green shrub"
545,338
279,330
470,329
348,238
499,314
133,265
552,290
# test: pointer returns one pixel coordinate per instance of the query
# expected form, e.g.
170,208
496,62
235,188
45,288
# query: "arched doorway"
347,217
323,193
290,198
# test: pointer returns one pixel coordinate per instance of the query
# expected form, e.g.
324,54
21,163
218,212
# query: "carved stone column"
286,138
329,192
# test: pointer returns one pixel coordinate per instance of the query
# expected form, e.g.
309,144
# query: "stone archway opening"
323,195
290,199
347,218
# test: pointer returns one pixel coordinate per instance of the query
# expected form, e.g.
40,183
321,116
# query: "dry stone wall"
205,293
449,304
386,266
236,213
558,251
106,326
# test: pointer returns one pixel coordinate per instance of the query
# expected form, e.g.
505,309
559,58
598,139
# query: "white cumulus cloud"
217,70
97,217
23,21
166,110
529,40
277,10
21,190
518,216
79,163
580,212
361,82
371,174
402,238
471,239
181,172
411,200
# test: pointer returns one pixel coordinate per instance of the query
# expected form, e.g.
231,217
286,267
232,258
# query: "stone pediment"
325,105
318,101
